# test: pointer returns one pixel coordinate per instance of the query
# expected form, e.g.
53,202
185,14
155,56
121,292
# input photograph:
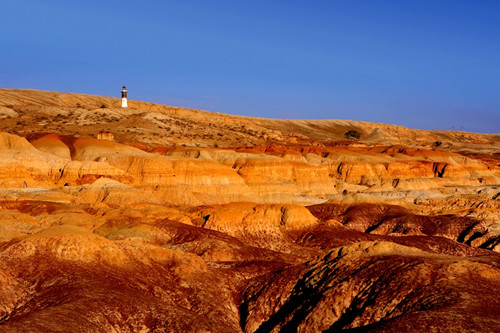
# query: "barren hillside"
175,219
27,111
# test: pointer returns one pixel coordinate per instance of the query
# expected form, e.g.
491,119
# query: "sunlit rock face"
191,221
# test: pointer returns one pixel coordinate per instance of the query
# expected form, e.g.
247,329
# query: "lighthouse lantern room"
124,97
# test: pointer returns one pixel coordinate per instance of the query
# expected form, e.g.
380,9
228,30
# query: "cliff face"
253,225
260,174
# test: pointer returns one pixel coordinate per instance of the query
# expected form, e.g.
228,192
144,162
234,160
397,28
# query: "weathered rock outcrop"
260,225
395,220
376,287
267,175
191,221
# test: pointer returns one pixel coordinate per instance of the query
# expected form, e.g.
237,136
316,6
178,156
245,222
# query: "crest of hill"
150,124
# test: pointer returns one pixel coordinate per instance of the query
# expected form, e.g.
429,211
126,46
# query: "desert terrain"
156,218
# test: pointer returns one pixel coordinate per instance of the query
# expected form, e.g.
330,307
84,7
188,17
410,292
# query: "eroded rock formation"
193,221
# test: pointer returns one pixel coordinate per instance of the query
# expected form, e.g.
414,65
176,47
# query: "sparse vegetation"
352,135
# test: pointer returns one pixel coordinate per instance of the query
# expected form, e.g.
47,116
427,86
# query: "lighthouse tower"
124,97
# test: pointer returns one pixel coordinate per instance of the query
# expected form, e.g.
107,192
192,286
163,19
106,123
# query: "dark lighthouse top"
124,92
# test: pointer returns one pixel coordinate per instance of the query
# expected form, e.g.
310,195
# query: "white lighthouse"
124,97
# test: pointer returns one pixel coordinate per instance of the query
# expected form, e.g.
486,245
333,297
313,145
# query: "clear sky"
418,63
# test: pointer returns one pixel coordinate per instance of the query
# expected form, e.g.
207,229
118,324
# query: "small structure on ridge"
124,97
105,135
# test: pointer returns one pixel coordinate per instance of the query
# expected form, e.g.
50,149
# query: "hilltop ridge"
26,111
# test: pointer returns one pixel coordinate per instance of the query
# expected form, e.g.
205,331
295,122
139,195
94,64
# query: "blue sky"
418,63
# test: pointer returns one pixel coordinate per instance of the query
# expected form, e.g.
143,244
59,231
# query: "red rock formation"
284,227
377,287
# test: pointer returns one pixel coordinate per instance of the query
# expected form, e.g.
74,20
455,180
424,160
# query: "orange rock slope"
196,221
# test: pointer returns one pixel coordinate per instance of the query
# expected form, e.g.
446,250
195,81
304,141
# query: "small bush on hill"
352,135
